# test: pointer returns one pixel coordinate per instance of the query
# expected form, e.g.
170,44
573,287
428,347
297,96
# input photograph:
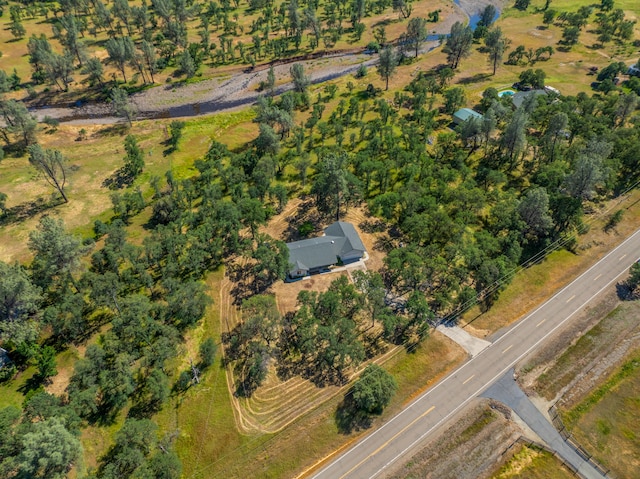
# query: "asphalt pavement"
507,391
402,435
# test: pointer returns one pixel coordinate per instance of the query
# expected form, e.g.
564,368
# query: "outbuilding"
634,70
465,114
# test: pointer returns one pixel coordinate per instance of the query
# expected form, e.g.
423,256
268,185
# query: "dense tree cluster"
481,200
41,441
373,390
328,335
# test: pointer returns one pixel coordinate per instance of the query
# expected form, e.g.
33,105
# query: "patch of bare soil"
287,293
471,448
541,33
59,382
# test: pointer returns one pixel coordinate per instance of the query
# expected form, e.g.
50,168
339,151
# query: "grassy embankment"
604,422
529,463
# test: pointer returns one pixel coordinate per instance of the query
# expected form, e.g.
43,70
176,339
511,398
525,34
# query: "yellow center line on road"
541,322
507,349
571,298
597,277
387,442
468,379
622,257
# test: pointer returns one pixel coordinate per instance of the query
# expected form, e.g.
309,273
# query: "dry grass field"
608,420
278,402
93,160
530,463
289,426
218,436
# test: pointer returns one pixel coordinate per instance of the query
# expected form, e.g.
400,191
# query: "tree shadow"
477,78
117,129
306,213
385,22
23,211
350,419
170,147
121,178
245,285
32,384
373,226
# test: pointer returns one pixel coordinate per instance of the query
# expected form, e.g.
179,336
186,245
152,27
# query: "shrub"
372,47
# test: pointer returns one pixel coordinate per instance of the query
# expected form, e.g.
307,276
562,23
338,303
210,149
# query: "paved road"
507,391
400,436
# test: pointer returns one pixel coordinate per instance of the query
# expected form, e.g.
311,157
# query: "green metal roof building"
340,244
465,114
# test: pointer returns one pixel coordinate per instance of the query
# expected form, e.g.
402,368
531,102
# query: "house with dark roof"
465,114
520,97
340,244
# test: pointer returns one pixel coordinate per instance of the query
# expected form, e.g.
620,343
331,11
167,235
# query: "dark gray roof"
340,238
4,358
346,230
315,252
519,98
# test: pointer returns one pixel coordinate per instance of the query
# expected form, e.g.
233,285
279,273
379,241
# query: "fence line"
571,441
541,447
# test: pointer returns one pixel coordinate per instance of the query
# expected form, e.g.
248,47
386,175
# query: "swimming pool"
506,93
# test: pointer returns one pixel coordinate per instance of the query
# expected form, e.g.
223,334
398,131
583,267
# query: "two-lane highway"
401,435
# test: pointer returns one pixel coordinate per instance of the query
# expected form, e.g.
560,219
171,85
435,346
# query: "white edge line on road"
491,381
452,373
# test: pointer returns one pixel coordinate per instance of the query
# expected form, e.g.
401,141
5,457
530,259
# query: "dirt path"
232,91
